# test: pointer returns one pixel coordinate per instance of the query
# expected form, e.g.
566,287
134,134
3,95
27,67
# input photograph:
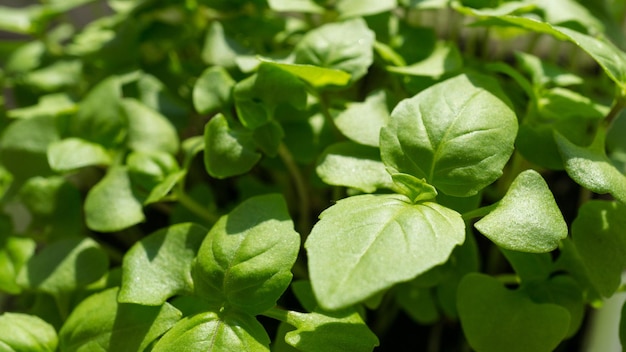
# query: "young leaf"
444,59
23,146
497,319
365,244
148,130
316,76
245,260
159,266
25,332
591,168
353,165
14,253
219,49
100,323
316,332
64,266
257,96
457,135
111,205
306,6
228,151
212,90
361,122
599,235
50,105
73,153
357,8
213,332
345,46
527,219
100,118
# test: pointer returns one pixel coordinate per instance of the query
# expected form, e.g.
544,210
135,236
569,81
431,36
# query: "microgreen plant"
310,175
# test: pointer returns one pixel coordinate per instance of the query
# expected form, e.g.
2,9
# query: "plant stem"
480,212
299,182
277,313
196,208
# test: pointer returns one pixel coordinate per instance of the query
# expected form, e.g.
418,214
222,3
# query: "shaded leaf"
148,130
100,323
245,260
212,90
497,319
361,122
159,266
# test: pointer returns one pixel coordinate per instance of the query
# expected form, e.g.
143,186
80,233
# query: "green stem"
196,208
278,314
480,212
299,182
620,104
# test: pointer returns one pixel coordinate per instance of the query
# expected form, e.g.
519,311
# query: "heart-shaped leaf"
212,90
245,260
73,153
159,266
458,135
361,122
527,219
496,319
365,244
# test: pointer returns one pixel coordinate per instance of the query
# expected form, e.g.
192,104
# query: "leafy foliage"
291,175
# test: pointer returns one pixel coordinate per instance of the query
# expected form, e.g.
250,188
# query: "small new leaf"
527,219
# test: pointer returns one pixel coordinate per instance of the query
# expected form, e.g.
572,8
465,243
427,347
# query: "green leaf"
61,74
497,319
148,169
361,122
564,291
213,332
100,118
353,165
161,190
73,153
527,219
100,323
23,146
268,137
111,205
148,130
338,332
49,106
306,6
544,73
24,332
245,260
14,254
599,235
212,90
591,168
415,189
228,151
64,266
347,246
529,266
345,46
219,49
444,59
256,97
457,135
159,266
316,76
358,8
